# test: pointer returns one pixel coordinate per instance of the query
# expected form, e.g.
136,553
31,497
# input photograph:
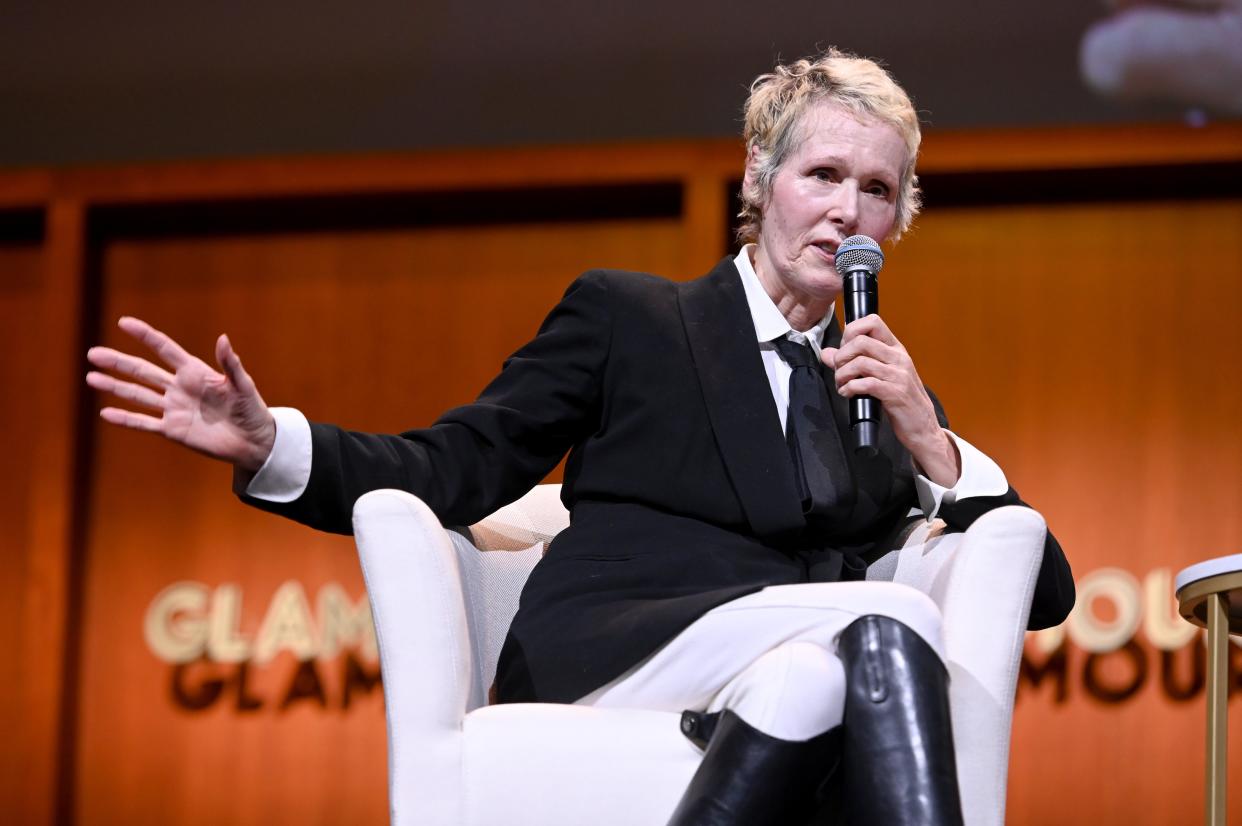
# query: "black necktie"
811,430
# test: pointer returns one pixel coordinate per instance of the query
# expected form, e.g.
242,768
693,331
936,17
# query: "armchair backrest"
496,557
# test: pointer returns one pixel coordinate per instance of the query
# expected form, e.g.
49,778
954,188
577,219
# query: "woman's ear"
750,178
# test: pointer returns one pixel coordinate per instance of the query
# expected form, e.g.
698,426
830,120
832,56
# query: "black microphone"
858,262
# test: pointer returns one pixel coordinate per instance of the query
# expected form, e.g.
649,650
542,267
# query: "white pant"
769,656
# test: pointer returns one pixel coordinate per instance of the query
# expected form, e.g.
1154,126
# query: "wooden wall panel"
377,330
22,287
1096,353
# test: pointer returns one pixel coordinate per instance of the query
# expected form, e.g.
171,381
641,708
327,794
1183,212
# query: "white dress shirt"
286,472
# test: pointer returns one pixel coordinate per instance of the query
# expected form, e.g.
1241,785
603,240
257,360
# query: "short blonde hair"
780,99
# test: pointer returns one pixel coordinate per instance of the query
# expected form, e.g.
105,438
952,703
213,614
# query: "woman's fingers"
865,386
868,347
136,393
230,364
130,419
871,361
105,358
169,351
871,326
864,366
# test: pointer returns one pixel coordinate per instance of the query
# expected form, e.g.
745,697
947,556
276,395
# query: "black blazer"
679,482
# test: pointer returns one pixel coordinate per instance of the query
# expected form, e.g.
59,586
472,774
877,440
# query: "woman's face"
841,179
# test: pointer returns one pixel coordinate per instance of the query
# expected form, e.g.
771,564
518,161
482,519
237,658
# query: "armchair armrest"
413,581
983,581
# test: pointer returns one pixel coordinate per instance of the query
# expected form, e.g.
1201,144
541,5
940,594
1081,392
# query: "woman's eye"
878,190
824,175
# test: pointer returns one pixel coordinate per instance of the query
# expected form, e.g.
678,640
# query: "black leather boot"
748,778
898,767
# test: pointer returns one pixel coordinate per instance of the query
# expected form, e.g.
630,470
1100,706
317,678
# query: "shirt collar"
769,321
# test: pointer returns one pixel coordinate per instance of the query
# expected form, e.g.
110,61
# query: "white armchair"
442,601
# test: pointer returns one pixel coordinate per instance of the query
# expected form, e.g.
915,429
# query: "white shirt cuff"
980,477
286,472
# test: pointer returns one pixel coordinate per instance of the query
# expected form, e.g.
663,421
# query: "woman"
716,512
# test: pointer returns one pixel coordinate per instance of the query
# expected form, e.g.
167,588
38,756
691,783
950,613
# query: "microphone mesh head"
858,252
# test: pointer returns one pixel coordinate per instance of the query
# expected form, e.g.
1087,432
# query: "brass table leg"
1217,697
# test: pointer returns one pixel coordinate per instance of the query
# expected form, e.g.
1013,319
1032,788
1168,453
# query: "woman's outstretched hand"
220,414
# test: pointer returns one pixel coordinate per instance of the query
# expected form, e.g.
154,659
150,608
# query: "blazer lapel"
739,401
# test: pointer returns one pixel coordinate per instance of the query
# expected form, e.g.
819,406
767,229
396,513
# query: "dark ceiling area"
126,81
